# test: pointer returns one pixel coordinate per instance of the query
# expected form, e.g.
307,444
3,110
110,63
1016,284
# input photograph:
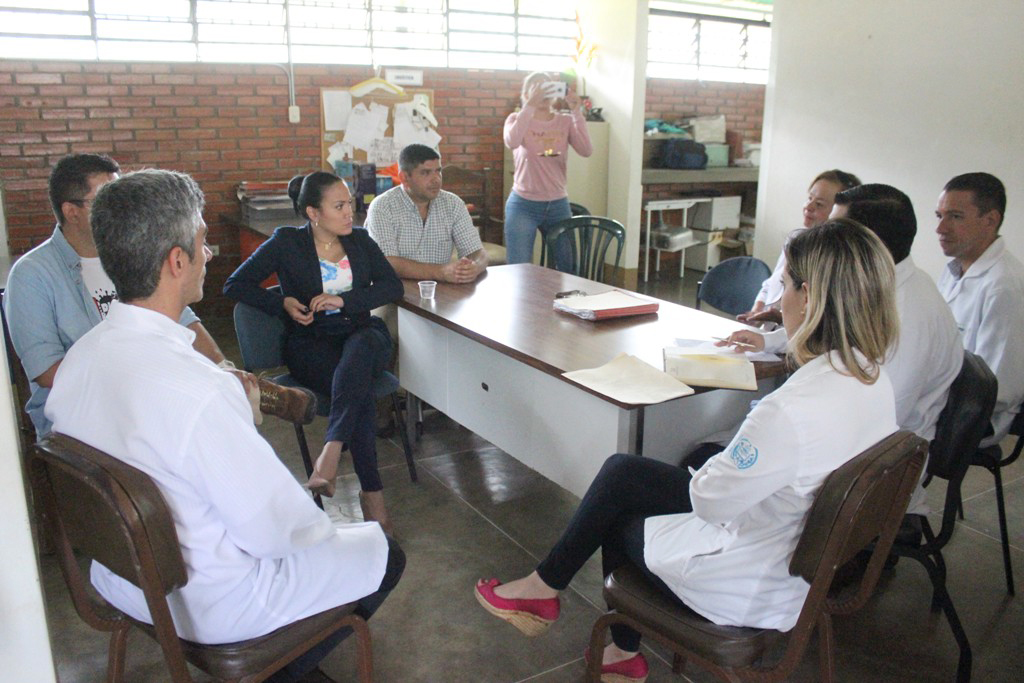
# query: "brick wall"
228,123
220,123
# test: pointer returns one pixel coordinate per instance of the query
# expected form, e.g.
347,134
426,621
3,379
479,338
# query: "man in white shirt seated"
984,286
417,224
928,354
259,554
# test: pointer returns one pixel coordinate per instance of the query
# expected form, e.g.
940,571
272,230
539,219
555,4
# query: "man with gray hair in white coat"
259,554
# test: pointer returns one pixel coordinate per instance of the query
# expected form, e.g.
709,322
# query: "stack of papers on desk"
702,367
610,304
630,380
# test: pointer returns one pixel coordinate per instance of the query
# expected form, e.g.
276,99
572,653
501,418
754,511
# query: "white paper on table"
708,346
628,379
337,106
362,127
604,301
709,369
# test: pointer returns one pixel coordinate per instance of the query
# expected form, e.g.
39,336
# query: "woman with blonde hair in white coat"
719,540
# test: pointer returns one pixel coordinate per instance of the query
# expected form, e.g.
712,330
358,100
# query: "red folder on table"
611,304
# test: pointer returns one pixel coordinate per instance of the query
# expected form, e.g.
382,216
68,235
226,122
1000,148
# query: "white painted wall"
24,643
908,93
617,82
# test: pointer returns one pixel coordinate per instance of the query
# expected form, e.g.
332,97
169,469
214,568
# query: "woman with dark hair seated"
331,277
720,539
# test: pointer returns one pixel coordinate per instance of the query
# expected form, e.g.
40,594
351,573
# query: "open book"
611,304
704,368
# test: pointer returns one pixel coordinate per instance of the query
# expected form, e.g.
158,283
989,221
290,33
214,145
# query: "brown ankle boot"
372,504
294,404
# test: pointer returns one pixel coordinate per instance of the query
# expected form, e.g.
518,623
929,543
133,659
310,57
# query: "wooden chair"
733,284
108,511
590,238
261,342
863,500
474,188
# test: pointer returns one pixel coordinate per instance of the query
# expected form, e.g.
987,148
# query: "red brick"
111,135
146,68
176,122
90,124
60,90
133,123
17,90
110,113
174,79
154,90
41,102
109,90
18,113
42,126
135,146
38,150
39,78
86,79
20,139
67,137
194,111
215,80
155,135
131,79
131,101
88,102
193,90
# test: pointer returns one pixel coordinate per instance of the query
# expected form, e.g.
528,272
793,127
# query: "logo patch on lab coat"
744,454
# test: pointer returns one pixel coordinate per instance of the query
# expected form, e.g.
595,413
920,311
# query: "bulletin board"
373,127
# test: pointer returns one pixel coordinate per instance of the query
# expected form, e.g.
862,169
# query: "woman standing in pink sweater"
539,137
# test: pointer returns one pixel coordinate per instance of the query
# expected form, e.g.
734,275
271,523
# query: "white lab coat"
729,558
771,289
988,304
258,553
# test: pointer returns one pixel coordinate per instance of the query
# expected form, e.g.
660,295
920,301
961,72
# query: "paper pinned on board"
362,127
382,152
337,106
339,151
628,379
411,128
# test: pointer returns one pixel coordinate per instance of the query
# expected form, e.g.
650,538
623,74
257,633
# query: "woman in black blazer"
331,277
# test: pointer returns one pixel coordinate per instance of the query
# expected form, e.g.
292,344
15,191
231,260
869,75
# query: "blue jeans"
523,217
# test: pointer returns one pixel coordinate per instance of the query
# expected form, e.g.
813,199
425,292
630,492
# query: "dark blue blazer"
291,254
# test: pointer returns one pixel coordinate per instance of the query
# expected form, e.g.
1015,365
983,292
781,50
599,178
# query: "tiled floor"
476,512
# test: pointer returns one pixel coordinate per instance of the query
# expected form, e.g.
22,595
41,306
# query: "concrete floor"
476,512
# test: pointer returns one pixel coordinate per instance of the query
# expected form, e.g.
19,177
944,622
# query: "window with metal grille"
710,41
488,34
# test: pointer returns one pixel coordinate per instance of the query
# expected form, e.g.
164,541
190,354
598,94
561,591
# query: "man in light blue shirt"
58,291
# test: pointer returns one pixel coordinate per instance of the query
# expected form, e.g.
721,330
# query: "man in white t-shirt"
984,286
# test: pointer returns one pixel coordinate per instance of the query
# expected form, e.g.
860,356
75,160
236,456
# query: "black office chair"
960,428
261,341
733,284
991,458
589,237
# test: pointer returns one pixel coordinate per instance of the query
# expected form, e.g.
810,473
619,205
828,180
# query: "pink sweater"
542,178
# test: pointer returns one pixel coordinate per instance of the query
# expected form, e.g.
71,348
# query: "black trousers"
344,367
305,663
626,491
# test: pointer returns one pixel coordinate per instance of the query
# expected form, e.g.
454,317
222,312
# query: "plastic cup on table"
427,289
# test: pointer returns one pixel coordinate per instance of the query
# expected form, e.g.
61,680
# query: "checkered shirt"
394,222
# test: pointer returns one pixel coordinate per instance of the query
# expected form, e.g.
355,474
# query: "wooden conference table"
491,355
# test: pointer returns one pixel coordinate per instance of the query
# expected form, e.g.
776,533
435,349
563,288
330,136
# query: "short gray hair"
137,220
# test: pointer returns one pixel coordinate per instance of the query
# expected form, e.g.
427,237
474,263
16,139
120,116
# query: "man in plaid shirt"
417,224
